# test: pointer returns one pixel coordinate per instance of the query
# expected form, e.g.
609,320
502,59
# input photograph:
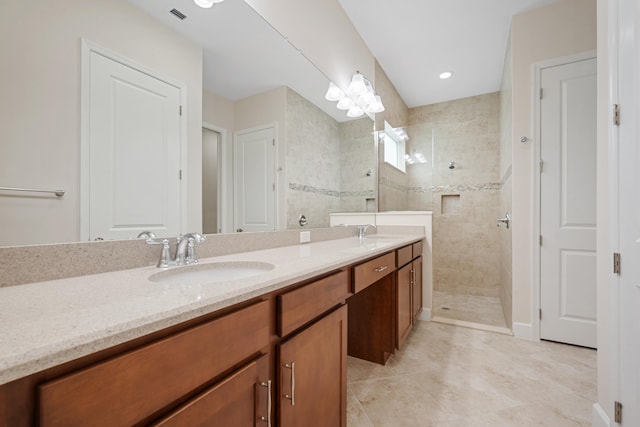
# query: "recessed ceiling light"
446,75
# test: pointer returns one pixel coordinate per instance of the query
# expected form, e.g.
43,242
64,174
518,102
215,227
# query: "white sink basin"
211,273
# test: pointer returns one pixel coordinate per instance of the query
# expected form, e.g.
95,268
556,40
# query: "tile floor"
468,308
449,376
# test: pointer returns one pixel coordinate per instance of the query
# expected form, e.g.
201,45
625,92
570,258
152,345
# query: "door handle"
267,419
292,397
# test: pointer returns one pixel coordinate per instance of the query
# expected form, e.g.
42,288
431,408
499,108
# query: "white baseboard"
523,331
425,315
599,417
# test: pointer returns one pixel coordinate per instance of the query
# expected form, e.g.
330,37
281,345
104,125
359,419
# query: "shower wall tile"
357,164
330,165
313,145
466,246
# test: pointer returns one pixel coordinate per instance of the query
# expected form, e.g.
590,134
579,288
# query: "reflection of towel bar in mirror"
58,193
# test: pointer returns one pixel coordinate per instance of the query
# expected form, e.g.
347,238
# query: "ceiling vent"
179,14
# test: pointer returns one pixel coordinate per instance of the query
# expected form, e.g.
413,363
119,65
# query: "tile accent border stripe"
331,193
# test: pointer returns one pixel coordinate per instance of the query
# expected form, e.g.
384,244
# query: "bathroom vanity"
266,350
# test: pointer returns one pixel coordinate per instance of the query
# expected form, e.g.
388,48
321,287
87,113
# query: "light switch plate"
305,236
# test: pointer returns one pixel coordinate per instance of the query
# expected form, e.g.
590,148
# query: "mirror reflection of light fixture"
360,97
334,93
207,3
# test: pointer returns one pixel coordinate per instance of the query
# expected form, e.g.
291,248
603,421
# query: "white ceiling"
415,40
242,54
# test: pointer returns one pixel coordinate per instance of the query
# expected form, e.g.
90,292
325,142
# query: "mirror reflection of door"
133,139
254,180
211,149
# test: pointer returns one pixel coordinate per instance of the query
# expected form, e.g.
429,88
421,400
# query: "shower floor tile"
468,308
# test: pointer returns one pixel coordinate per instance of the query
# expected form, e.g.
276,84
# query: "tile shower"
459,180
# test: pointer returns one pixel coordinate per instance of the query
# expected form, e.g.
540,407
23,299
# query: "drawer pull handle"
267,384
380,269
292,397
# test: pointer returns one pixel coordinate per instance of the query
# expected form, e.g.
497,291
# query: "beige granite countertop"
48,323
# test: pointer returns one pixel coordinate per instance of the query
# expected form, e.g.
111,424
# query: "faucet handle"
165,256
191,257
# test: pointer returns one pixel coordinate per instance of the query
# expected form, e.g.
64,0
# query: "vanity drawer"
405,255
417,248
371,271
127,389
297,307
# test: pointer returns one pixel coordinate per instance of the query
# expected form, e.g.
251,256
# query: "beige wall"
323,33
396,111
219,112
40,118
560,29
393,185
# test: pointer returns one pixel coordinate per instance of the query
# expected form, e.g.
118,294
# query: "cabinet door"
240,400
313,374
404,310
417,288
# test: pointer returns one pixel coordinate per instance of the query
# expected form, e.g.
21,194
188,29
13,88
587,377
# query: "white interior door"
629,210
134,145
568,203
254,180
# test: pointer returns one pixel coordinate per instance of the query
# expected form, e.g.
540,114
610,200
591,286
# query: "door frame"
274,126
86,49
538,67
222,174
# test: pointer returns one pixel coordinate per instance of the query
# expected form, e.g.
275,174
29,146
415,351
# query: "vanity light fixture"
360,97
206,4
446,75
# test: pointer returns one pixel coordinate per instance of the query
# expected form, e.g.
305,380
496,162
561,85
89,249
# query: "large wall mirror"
236,75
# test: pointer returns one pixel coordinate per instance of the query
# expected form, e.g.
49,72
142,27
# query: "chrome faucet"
146,234
362,230
185,250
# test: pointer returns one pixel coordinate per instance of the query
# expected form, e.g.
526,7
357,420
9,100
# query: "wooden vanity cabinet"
139,385
404,306
278,360
372,320
240,400
313,374
409,290
312,357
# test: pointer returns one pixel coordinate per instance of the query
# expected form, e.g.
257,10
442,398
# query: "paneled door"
254,180
134,152
568,203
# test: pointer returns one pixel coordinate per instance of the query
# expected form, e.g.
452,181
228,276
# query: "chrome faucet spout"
362,230
185,251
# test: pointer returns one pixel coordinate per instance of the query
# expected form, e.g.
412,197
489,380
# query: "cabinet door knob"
292,397
267,419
